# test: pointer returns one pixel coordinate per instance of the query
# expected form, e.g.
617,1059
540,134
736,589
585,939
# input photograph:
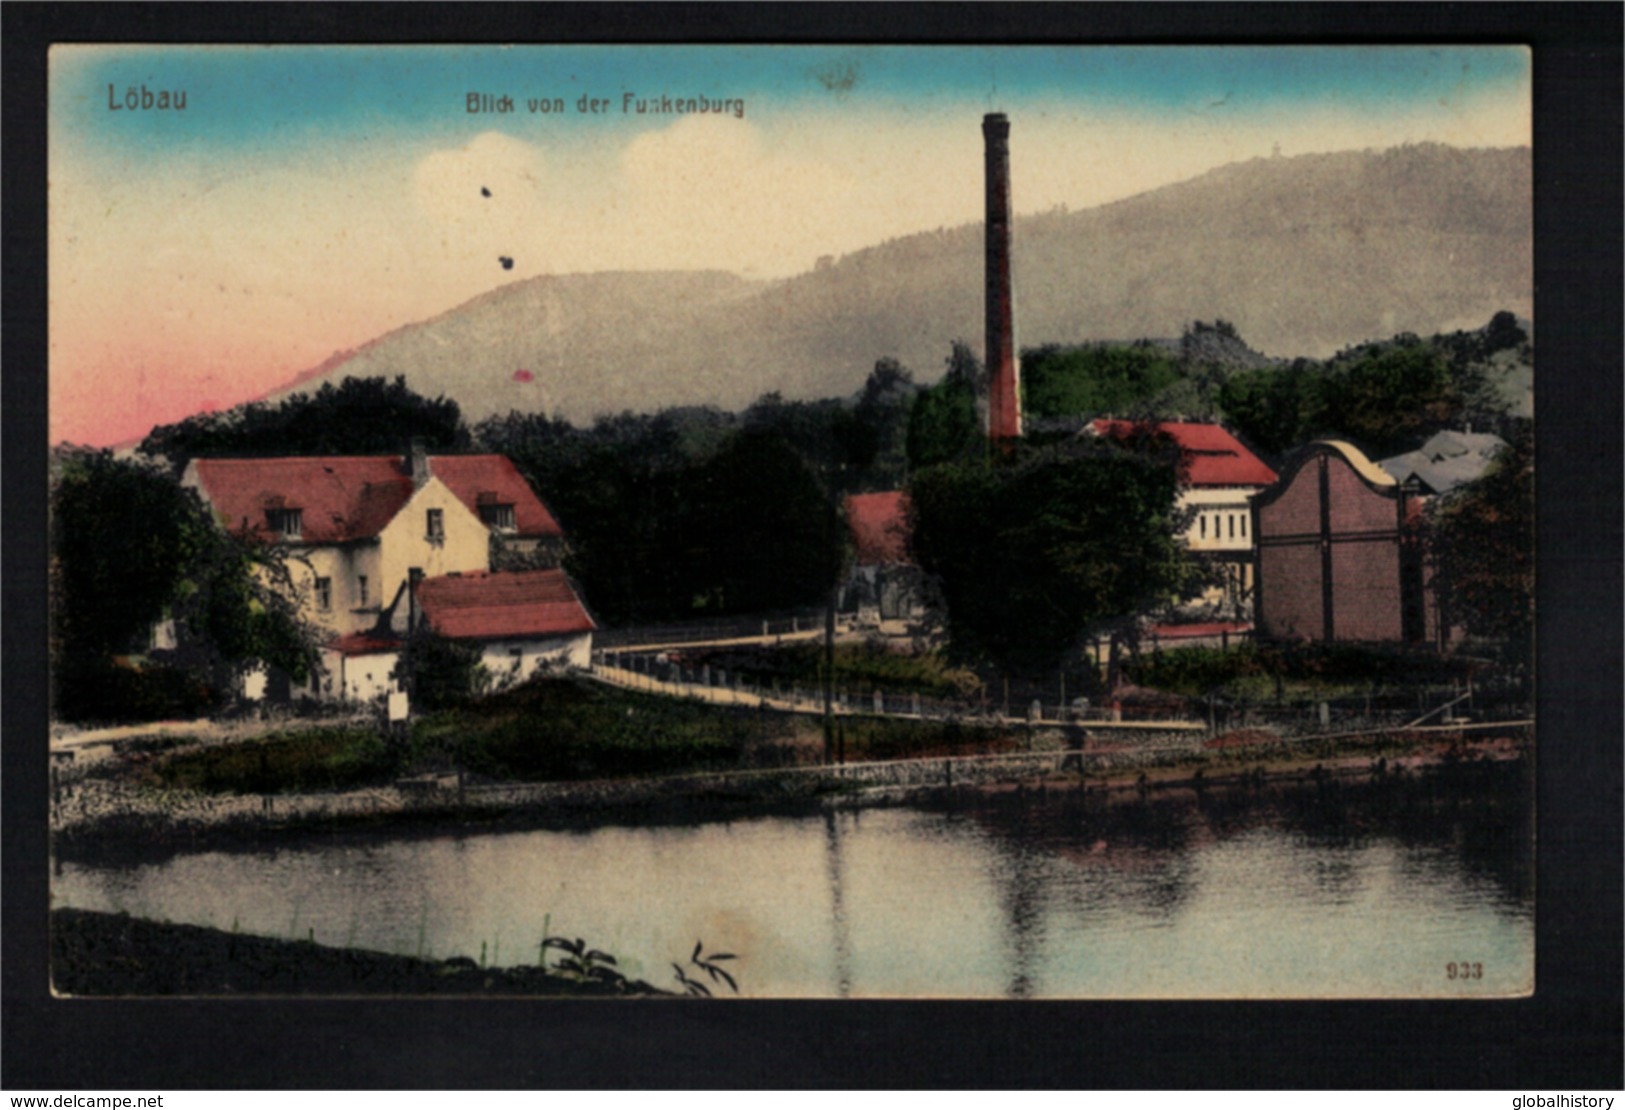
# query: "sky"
306,200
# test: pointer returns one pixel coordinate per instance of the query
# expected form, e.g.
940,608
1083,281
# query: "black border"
1567,1037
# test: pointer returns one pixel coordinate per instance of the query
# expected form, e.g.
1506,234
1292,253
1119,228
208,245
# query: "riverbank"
101,819
101,954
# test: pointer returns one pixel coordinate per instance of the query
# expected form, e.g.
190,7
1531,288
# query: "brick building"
1338,558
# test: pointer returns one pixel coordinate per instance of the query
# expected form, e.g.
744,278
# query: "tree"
1031,554
759,530
130,547
1095,379
1277,408
943,422
123,538
443,673
360,416
1393,396
1481,538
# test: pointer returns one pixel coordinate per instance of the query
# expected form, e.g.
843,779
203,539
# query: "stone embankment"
94,808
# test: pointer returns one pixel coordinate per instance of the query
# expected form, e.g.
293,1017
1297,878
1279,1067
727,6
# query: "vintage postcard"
792,522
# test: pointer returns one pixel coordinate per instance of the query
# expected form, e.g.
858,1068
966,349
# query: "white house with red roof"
360,529
1221,478
523,621
884,584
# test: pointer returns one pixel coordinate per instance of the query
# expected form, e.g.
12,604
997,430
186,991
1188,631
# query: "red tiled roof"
486,606
1213,456
353,497
339,498
879,524
493,479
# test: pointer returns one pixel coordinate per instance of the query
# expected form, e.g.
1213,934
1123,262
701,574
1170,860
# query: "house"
884,583
359,529
1447,460
1339,557
523,622
1221,477
355,527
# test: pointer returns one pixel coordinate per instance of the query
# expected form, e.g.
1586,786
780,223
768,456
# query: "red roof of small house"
879,524
482,605
364,643
494,480
352,497
1213,456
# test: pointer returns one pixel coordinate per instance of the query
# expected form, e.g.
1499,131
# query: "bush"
561,729
104,692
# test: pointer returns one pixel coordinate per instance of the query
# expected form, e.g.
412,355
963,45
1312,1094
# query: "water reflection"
1363,889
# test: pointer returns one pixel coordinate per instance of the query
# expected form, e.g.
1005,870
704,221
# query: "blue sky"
309,199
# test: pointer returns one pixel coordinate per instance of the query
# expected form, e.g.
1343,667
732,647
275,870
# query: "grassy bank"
98,954
548,730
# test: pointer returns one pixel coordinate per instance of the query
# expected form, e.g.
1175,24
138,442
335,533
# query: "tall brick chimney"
1004,372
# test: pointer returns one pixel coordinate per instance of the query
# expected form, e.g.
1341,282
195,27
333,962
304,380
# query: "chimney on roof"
417,461
1004,373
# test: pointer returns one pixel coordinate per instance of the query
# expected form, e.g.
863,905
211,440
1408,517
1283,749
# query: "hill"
1303,255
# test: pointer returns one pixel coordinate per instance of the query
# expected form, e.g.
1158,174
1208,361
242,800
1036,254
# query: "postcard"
997,522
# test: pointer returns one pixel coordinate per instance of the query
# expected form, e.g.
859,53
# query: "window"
1243,525
1232,517
437,524
324,594
499,517
361,589
289,522
1203,523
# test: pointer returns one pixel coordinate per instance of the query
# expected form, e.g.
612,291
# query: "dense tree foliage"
130,547
1385,397
1391,397
1054,542
944,424
1482,541
1096,379
1277,409
441,673
681,514
361,416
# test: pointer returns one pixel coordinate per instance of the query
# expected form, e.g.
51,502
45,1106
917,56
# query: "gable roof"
490,606
352,497
1447,460
879,525
340,498
1213,456
494,479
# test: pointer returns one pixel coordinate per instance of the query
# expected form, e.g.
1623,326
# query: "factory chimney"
1003,369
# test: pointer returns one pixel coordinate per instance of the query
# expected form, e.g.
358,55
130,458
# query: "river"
1370,890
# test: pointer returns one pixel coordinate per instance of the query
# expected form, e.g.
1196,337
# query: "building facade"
1339,555
360,531
1220,479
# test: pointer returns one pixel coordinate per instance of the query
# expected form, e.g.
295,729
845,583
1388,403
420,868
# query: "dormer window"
497,517
289,522
436,524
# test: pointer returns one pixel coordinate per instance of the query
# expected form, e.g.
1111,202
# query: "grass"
555,730
338,758
567,729
1293,674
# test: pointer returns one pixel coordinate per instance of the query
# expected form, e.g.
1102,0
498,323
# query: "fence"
665,673
798,623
